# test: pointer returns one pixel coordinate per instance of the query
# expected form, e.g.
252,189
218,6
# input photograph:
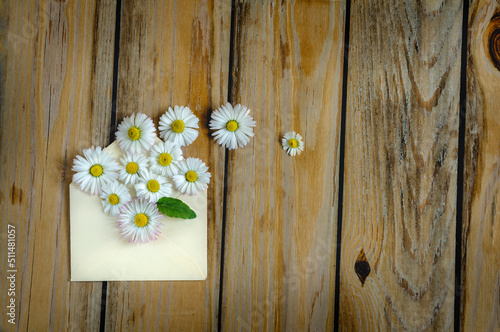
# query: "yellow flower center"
96,170
293,143
134,133
232,125
165,159
191,176
132,167
178,126
113,199
141,220
153,186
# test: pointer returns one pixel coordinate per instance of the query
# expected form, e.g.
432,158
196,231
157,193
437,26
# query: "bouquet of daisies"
137,188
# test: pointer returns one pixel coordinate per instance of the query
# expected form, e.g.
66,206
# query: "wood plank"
174,53
56,84
279,265
481,221
399,209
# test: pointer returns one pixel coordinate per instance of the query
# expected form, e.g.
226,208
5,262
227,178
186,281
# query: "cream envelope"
100,253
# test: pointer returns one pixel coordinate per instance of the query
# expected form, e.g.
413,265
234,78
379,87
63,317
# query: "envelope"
100,253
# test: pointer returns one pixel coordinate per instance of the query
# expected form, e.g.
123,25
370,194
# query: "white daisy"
177,125
193,176
131,166
97,168
164,158
136,133
114,196
292,143
233,126
139,221
153,186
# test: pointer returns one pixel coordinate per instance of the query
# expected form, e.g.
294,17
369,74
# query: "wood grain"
279,265
400,165
481,226
56,69
400,188
175,53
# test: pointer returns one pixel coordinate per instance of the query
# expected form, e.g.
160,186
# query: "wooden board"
56,80
174,53
481,226
399,210
279,265
400,188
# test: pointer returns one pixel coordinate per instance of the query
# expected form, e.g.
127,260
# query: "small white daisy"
233,126
139,221
153,186
193,176
131,166
292,143
114,196
136,133
97,168
177,125
164,157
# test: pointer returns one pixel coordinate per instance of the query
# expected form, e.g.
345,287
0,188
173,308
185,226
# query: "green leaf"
175,208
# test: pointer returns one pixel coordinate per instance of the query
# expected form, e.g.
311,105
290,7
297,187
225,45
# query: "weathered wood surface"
175,53
279,264
56,81
401,153
481,227
400,190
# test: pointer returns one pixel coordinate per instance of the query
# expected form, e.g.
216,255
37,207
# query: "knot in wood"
493,36
362,267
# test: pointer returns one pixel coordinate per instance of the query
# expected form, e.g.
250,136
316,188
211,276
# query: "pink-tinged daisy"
164,158
233,126
152,186
136,133
179,125
193,176
96,168
292,143
114,196
139,221
131,166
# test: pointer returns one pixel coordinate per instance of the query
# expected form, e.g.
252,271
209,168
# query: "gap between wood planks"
343,110
460,169
226,166
114,93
